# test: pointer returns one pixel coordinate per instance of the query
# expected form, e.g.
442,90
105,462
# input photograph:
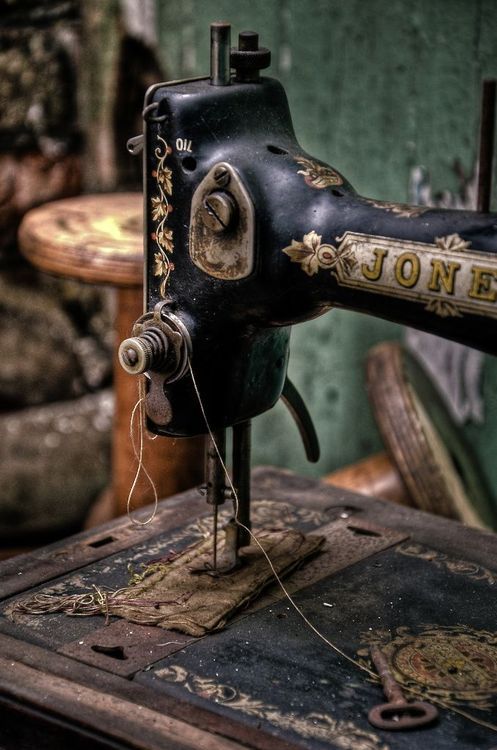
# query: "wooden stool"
99,239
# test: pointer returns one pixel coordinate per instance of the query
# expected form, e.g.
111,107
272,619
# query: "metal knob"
145,352
249,58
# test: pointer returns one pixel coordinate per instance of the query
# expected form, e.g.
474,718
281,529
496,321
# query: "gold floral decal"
343,734
313,255
443,308
470,570
161,208
452,243
318,175
454,664
402,210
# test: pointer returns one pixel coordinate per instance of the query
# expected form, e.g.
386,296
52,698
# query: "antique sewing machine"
245,234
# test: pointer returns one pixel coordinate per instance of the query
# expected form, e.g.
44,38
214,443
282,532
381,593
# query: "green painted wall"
375,87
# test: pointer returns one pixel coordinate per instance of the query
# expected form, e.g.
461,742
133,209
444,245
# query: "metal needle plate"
124,648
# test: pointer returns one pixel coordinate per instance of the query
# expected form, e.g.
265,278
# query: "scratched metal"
123,648
348,540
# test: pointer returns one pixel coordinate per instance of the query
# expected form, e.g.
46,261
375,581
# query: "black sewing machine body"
245,235
311,243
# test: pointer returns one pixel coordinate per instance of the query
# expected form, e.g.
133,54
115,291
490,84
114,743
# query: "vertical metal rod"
241,477
215,480
220,53
486,153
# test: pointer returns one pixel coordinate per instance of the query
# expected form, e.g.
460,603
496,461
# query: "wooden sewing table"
421,587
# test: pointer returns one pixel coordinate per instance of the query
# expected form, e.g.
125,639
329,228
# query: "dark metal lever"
297,408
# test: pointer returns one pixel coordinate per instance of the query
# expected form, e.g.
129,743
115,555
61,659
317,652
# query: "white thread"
255,539
309,624
138,453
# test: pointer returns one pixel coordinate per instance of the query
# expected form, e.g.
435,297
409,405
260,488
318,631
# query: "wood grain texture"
438,469
376,475
93,238
111,717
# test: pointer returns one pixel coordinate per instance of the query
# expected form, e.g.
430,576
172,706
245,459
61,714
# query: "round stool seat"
93,238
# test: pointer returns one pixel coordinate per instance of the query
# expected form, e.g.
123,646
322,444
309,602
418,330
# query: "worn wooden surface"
93,238
45,694
376,475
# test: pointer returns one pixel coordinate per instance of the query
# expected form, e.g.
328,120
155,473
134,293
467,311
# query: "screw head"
218,211
130,356
222,176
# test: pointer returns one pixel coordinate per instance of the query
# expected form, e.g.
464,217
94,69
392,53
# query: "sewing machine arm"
247,234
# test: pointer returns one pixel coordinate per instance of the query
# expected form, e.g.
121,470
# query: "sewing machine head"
247,234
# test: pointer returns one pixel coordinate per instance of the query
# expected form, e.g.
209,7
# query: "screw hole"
277,150
101,542
360,531
115,652
189,164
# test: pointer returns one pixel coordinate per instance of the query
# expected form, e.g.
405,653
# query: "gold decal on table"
455,664
470,570
318,726
465,282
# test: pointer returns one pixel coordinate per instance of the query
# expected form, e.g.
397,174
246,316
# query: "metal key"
398,713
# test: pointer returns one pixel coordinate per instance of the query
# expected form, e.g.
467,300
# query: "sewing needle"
214,537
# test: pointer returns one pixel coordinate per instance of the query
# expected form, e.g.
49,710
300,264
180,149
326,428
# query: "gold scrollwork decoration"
318,175
452,243
401,210
443,308
342,734
161,207
465,568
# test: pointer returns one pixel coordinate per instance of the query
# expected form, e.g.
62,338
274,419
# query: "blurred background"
387,91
